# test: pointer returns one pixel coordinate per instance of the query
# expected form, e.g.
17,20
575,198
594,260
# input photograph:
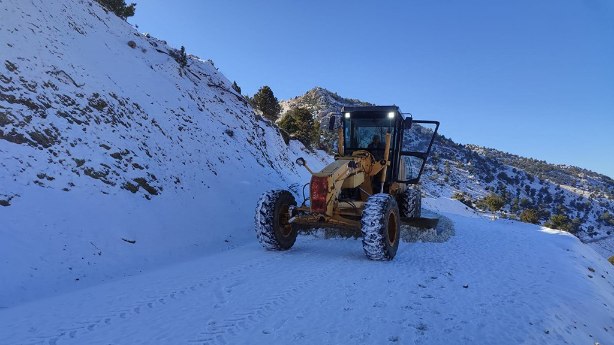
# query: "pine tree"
119,7
182,58
236,87
267,103
299,123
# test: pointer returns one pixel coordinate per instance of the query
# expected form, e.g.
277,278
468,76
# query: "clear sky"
530,77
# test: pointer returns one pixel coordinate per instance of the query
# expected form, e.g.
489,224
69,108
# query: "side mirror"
331,122
300,161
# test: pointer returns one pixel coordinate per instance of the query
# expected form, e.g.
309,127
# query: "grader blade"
422,223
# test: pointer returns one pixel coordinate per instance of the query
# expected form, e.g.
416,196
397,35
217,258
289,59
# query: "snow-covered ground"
494,282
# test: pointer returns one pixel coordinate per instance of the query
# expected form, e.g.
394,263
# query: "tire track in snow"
220,331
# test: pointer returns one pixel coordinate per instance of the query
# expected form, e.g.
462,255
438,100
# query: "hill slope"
470,173
113,156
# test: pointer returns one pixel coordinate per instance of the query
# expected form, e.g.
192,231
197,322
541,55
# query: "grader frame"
370,188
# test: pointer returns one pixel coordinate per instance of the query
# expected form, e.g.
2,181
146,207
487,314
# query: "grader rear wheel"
273,230
410,202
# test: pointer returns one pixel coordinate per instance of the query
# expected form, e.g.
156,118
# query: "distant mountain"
470,173
579,178
320,102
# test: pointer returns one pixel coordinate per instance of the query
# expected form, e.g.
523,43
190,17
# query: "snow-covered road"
498,282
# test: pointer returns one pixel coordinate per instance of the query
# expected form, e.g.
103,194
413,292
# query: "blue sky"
530,77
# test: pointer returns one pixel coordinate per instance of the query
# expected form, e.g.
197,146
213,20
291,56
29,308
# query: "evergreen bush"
493,202
529,216
299,123
119,7
560,222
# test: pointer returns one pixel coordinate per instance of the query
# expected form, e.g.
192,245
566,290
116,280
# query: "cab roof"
371,109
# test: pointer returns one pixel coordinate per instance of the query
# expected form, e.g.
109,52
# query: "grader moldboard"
371,187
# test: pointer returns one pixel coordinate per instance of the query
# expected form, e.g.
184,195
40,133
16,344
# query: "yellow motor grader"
371,188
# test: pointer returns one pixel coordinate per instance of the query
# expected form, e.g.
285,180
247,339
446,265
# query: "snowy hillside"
470,173
114,157
495,282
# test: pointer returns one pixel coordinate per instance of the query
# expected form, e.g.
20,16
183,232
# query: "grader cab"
371,188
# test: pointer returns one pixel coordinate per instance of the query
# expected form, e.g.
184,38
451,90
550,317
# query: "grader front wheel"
273,230
380,226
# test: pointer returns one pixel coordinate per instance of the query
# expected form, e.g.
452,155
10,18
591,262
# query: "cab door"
416,143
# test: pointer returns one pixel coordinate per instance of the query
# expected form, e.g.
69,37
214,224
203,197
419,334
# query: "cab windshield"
368,134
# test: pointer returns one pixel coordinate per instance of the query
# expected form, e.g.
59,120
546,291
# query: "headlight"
391,115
